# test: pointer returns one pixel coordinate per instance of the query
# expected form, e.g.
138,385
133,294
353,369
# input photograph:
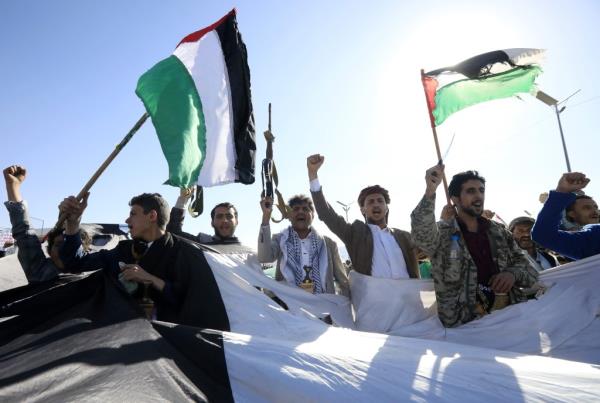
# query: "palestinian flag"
200,104
492,75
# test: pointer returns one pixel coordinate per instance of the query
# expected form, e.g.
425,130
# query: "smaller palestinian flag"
200,104
492,75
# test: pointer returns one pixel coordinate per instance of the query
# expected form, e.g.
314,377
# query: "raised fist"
15,174
572,182
433,178
313,163
266,205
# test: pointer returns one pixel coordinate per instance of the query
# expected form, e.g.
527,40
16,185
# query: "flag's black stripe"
204,348
203,306
475,66
91,320
236,60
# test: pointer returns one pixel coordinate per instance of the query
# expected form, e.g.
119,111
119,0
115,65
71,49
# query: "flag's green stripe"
171,99
463,93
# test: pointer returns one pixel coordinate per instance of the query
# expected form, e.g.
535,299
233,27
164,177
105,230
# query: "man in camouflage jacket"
489,256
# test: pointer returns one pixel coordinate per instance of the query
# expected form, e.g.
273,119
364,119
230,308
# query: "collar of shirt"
483,225
377,227
542,261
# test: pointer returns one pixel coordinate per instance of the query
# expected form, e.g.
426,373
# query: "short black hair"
457,181
153,201
370,190
571,206
227,205
296,200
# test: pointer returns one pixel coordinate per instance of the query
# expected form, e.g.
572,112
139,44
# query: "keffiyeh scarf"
294,258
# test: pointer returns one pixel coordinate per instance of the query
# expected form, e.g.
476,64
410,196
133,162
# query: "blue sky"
343,77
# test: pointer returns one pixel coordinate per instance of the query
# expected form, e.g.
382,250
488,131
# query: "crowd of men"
477,265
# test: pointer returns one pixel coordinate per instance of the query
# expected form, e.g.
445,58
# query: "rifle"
270,180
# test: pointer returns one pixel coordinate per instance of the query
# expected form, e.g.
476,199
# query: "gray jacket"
35,264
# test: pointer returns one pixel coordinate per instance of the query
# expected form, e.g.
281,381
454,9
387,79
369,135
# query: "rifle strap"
196,206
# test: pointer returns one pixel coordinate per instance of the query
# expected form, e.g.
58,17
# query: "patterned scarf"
294,258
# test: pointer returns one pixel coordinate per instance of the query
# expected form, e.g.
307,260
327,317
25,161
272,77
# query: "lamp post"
548,100
346,207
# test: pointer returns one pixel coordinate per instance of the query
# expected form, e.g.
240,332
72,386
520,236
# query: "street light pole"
548,100
562,136
346,208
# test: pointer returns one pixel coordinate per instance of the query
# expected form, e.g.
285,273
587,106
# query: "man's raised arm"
33,261
175,224
546,232
72,253
335,222
268,249
423,225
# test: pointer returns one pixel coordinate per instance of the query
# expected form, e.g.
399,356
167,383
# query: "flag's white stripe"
205,61
274,354
524,56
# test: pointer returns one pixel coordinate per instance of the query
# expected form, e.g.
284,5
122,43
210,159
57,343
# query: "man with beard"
374,248
169,266
581,212
475,261
577,244
224,220
304,257
520,228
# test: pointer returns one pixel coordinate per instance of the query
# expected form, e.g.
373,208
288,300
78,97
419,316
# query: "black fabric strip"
236,59
90,325
476,66
204,348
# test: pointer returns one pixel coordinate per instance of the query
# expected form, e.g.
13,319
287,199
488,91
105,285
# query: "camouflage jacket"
455,290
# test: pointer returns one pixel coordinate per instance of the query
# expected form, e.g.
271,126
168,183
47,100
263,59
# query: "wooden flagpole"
105,164
435,137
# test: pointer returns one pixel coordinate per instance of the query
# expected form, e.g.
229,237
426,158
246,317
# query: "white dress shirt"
388,259
305,259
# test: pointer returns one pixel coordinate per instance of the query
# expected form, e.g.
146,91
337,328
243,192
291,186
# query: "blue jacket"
546,232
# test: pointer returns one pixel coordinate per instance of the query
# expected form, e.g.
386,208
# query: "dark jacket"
190,295
175,226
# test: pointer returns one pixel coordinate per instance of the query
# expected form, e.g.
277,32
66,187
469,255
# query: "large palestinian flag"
199,101
492,75
82,338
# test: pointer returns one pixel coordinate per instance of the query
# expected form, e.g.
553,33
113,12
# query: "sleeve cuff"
15,204
181,202
315,186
